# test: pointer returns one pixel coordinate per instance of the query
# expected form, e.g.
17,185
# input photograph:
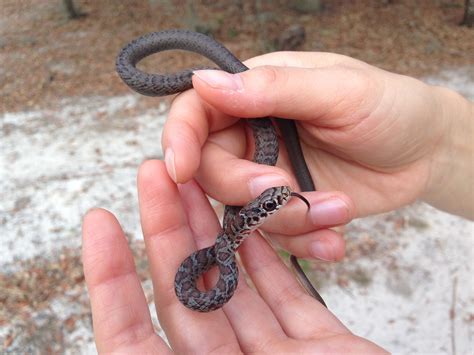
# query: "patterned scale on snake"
238,222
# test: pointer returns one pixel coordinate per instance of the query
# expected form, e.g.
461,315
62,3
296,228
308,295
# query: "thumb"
330,95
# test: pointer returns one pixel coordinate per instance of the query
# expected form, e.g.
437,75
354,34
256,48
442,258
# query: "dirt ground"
72,136
46,57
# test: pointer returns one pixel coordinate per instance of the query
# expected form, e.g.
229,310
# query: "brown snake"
238,221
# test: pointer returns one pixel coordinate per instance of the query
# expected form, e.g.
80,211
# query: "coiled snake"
238,222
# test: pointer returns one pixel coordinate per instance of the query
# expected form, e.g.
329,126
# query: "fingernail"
169,162
258,184
219,79
329,212
321,251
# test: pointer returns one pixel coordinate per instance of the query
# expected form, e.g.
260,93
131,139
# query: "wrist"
450,186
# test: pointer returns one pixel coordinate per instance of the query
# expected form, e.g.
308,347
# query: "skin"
365,136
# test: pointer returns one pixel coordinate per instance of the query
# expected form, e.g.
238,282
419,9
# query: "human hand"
279,317
383,139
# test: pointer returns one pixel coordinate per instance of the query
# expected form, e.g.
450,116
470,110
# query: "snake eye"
269,205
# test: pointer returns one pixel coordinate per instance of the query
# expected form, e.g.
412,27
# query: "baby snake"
238,222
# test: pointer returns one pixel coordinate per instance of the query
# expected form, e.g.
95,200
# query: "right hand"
374,135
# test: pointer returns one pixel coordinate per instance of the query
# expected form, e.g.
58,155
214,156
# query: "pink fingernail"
329,212
219,79
169,162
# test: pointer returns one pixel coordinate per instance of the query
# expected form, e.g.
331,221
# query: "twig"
452,316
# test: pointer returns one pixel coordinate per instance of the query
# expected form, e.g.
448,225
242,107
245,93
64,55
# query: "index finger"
190,121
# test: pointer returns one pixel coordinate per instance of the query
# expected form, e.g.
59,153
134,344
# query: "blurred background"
73,135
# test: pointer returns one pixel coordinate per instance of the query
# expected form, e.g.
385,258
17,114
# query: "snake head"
267,203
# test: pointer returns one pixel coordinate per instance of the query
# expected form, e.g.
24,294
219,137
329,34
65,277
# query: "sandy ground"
410,289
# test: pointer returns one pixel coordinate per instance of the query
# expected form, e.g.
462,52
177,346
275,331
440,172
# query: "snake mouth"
302,198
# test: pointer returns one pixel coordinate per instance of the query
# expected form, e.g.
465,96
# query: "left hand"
279,316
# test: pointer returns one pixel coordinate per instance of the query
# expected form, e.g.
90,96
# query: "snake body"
236,227
238,221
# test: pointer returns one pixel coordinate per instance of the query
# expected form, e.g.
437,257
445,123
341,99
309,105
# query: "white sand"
55,165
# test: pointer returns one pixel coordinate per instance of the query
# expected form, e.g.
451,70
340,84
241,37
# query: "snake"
238,221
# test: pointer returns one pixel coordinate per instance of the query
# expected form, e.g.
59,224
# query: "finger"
253,321
324,244
119,308
189,123
247,180
329,93
327,209
303,60
201,217
169,241
294,308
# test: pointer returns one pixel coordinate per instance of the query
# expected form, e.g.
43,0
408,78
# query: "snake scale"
238,221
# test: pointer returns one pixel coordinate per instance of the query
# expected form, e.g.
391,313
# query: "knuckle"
266,88
267,75
360,81
359,92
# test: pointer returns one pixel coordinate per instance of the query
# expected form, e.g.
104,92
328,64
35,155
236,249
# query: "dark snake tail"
238,222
